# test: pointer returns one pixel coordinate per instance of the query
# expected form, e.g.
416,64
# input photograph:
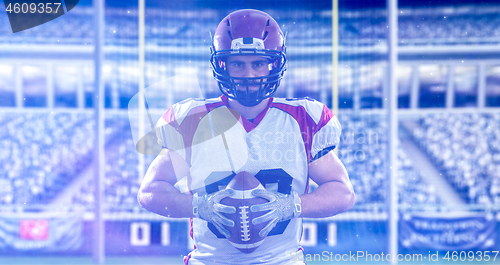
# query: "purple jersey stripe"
305,122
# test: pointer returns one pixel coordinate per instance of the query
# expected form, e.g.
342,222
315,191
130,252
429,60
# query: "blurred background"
448,115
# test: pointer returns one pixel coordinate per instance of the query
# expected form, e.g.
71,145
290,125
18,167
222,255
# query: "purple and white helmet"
248,32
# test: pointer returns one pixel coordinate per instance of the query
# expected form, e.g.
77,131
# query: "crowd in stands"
413,189
41,152
364,151
121,182
121,178
448,28
467,149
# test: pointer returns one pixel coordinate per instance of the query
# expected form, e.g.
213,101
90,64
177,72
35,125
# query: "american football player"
282,142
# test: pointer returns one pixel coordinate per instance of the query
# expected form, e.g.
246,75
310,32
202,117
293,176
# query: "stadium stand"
43,152
362,148
437,26
467,148
121,176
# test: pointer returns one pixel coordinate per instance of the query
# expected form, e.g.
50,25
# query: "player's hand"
209,208
281,207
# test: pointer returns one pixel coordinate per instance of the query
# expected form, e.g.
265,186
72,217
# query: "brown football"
244,235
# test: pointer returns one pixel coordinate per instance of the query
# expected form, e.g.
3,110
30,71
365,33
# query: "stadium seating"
41,153
467,149
356,28
363,148
121,175
44,152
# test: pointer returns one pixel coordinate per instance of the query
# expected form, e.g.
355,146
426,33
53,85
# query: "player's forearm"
327,200
162,198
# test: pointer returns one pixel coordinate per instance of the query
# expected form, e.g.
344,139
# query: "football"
244,235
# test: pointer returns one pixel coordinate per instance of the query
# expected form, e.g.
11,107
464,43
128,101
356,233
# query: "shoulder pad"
313,107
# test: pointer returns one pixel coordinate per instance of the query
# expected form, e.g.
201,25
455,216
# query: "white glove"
281,207
209,208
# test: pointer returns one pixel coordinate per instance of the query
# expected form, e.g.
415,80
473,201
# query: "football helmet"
248,32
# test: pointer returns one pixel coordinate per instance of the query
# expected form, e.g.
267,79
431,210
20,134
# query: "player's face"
248,66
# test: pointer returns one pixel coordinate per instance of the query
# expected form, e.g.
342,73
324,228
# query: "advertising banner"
445,231
40,232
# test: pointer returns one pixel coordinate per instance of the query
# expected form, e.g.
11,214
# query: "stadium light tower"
392,8
99,159
335,58
141,100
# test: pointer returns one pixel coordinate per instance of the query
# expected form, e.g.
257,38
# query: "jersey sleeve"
327,134
175,130
168,133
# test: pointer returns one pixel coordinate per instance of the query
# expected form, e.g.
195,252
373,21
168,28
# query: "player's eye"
258,64
237,64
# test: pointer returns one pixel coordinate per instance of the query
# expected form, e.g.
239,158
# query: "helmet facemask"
239,88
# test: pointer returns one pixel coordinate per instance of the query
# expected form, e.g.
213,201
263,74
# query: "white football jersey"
276,147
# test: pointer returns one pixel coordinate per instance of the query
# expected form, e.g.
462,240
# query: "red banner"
34,229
